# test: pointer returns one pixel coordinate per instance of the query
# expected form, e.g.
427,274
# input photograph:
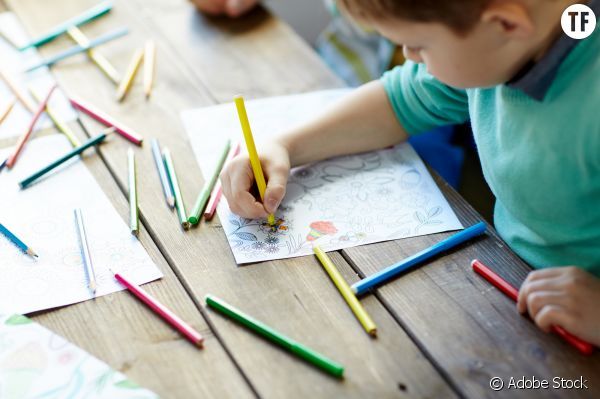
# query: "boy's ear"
511,17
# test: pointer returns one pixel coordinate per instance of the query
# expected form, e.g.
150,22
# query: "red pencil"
184,328
106,120
582,346
217,191
41,107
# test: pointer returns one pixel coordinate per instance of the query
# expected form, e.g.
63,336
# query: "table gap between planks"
443,331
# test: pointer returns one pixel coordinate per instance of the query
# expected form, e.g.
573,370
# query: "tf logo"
578,21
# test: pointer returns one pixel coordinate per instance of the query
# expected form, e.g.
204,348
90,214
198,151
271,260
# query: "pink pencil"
184,328
215,196
106,120
21,144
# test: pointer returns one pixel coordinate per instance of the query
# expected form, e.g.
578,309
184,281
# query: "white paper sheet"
14,62
342,202
42,217
36,363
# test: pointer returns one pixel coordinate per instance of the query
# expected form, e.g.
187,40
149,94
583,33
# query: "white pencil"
85,251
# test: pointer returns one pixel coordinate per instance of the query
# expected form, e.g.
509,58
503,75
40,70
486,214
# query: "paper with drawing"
36,363
42,216
14,62
342,202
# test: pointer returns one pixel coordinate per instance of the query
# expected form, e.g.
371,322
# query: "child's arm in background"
362,121
568,297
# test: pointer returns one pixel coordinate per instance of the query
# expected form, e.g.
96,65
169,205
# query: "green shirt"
541,159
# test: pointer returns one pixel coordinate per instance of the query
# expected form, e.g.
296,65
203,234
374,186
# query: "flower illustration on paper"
319,229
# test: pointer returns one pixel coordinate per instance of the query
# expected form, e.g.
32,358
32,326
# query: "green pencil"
176,190
76,151
209,185
134,219
289,344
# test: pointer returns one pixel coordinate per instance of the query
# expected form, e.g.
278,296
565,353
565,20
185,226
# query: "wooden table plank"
294,296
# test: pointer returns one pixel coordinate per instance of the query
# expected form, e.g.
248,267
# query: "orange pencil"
4,113
27,103
13,158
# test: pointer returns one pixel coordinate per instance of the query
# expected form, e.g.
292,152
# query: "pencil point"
171,202
92,287
373,333
31,253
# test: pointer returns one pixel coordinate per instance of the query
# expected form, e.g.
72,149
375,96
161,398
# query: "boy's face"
483,57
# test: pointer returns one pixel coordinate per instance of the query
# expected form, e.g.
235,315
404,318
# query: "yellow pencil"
149,61
254,160
132,69
4,113
26,101
93,54
359,311
60,125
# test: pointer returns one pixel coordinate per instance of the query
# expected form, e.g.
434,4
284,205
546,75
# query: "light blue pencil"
15,240
71,51
83,18
392,271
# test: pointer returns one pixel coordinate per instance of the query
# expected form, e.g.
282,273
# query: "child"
532,96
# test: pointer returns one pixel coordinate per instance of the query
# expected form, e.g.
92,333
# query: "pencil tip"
31,253
171,202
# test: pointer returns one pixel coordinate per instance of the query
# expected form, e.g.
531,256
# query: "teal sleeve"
421,102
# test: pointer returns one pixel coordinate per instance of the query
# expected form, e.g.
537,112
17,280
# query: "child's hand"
237,180
231,8
568,297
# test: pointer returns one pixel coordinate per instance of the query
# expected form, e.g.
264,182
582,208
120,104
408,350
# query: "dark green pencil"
289,344
76,151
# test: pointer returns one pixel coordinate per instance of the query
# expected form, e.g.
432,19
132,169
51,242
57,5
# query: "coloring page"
338,203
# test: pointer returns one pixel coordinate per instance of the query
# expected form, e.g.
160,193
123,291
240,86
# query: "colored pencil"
276,337
252,153
390,272
76,151
134,217
106,120
71,51
14,87
97,58
341,284
149,65
209,185
36,116
83,18
85,251
162,173
511,292
3,164
58,122
179,205
217,192
134,65
6,111
15,240
185,329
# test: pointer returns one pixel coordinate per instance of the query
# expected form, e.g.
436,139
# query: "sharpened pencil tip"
171,202
31,253
92,287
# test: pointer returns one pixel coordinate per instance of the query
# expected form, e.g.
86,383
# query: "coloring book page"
14,62
43,217
36,363
339,203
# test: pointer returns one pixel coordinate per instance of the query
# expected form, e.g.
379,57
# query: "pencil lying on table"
76,151
101,62
149,62
511,292
21,144
217,192
58,122
179,205
341,284
276,337
127,81
192,335
208,186
134,217
252,153
162,173
85,251
6,111
14,87
15,240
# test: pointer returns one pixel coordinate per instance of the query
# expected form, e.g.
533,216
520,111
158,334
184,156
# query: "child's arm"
564,296
362,121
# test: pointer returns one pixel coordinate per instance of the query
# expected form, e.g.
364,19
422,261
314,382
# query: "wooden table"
443,331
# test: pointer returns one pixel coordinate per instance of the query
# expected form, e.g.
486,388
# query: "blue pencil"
87,16
15,240
112,35
390,272
3,164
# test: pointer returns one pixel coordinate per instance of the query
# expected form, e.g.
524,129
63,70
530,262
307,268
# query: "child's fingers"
530,287
275,189
237,180
552,315
540,299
